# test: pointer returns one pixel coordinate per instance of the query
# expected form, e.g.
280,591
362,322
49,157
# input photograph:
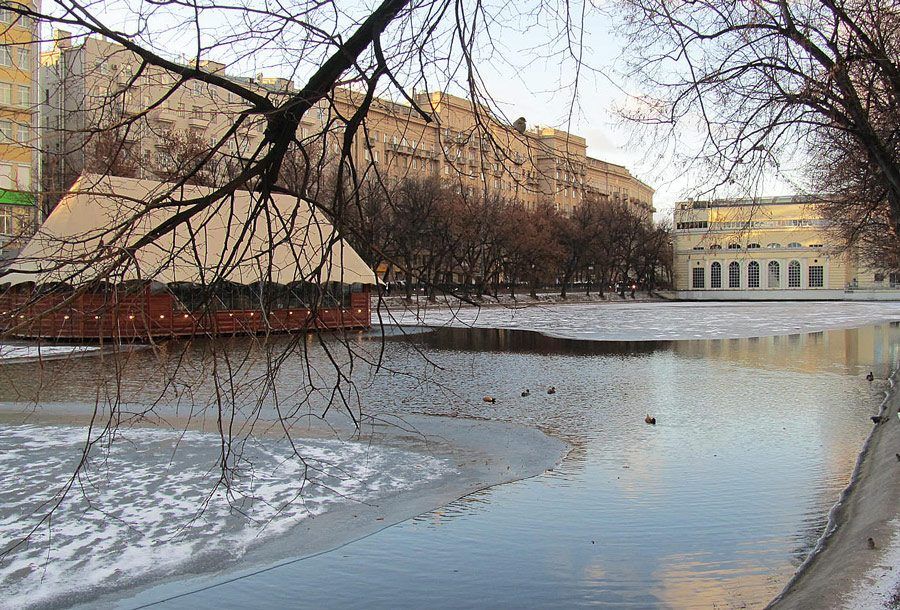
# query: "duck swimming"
650,420
526,393
870,377
489,399
551,390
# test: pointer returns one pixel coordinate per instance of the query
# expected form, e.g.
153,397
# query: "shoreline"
486,454
842,564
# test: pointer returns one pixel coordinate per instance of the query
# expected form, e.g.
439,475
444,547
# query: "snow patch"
135,511
877,587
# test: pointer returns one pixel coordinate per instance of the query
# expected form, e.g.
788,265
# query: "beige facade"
91,84
769,248
471,148
477,151
18,139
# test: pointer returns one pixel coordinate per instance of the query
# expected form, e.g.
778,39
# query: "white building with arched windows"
767,248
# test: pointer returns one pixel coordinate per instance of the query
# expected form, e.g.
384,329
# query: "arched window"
753,275
715,275
715,247
752,246
773,245
795,244
794,274
734,246
774,274
734,274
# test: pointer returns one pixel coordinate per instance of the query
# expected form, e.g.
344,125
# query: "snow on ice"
135,510
661,321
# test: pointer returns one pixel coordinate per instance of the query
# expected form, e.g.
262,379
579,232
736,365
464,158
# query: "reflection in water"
716,505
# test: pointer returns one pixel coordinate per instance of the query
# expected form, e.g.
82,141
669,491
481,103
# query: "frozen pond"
655,321
140,510
715,506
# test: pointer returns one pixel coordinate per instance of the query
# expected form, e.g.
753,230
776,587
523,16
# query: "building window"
715,275
6,132
753,275
794,274
774,274
7,178
24,58
773,245
5,93
816,276
6,57
734,275
23,178
686,226
698,247
752,246
24,95
6,221
715,247
794,244
734,246
698,277
23,133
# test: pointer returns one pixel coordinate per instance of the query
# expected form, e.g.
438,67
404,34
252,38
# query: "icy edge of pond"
134,514
37,351
661,321
415,465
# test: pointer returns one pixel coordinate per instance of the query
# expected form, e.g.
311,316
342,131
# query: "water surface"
715,506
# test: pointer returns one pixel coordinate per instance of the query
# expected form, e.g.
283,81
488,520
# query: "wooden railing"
142,316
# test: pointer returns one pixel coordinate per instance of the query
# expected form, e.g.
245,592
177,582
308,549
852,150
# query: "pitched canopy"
241,238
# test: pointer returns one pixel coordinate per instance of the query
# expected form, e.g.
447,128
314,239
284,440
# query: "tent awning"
243,238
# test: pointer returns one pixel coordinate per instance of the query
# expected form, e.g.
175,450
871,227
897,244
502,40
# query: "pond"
715,505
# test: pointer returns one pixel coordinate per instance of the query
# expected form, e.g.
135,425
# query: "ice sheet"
8,351
135,513
661,321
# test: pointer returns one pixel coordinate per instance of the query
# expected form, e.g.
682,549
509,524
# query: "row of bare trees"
475,244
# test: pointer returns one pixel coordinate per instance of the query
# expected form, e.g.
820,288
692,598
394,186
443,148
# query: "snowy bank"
855,564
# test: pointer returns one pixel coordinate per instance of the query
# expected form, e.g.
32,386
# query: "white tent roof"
239,238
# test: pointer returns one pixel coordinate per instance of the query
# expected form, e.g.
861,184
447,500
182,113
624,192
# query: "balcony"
164,115
198,122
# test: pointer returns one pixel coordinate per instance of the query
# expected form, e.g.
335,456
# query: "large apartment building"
18,135
476,150
776,248
92,83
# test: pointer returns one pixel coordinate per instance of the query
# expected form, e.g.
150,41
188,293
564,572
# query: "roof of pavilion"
243,238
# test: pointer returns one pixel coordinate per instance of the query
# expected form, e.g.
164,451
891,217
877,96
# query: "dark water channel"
715,506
